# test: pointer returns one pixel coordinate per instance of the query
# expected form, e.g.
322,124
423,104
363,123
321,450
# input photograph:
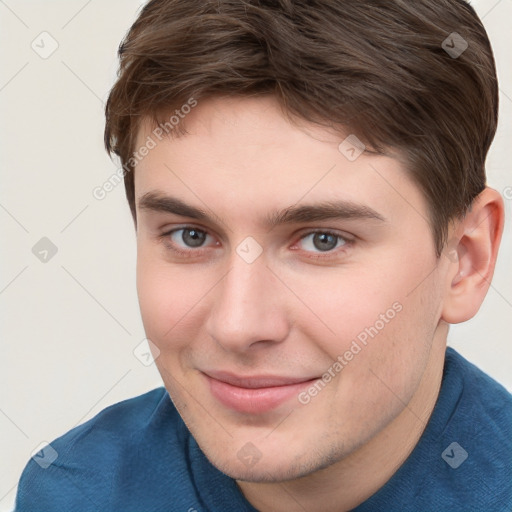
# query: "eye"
190,237
191,241
187,238
322,241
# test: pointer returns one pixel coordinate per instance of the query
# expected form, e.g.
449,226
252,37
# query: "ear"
472,252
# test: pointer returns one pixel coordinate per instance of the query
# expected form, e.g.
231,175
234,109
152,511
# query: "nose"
249,307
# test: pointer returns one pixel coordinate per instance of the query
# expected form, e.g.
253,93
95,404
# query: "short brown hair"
380,69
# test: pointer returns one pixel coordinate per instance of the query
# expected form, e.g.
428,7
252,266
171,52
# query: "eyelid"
170,230
329,231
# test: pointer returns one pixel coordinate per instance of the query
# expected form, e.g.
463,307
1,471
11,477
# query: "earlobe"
472,252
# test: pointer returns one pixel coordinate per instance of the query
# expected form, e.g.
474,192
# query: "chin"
263,472
269,469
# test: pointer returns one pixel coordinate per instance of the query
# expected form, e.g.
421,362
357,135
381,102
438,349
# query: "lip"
255,394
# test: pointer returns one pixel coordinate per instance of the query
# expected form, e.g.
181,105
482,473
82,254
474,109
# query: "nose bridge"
247,307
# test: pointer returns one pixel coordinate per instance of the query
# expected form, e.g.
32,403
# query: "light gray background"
70,325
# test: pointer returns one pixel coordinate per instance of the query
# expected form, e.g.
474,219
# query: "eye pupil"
193,237
324,241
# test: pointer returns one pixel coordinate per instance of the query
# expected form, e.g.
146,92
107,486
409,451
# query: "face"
287,287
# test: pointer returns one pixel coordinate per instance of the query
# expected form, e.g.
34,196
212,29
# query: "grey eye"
322,242
189,237
193,237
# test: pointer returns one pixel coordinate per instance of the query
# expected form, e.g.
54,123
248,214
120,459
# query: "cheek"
394,360
348,305
378,319
167,295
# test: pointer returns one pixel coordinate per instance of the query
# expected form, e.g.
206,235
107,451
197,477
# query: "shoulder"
84,465
474,469
462,462
481,396
115,425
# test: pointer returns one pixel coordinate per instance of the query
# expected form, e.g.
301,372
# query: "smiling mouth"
254,394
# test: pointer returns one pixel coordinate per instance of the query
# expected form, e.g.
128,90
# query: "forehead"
244,155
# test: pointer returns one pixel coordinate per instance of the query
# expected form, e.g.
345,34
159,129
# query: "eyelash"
188,253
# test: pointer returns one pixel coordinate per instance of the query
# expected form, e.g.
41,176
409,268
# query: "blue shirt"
138,455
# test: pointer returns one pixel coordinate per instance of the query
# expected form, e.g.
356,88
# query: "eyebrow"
328,210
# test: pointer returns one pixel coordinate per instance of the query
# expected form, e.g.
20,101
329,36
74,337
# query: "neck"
347,483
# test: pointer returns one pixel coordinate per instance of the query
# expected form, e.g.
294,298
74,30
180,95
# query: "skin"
295,309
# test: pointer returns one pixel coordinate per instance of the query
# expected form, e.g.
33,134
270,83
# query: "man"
307,181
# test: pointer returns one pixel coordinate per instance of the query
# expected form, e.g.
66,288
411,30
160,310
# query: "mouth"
254,394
